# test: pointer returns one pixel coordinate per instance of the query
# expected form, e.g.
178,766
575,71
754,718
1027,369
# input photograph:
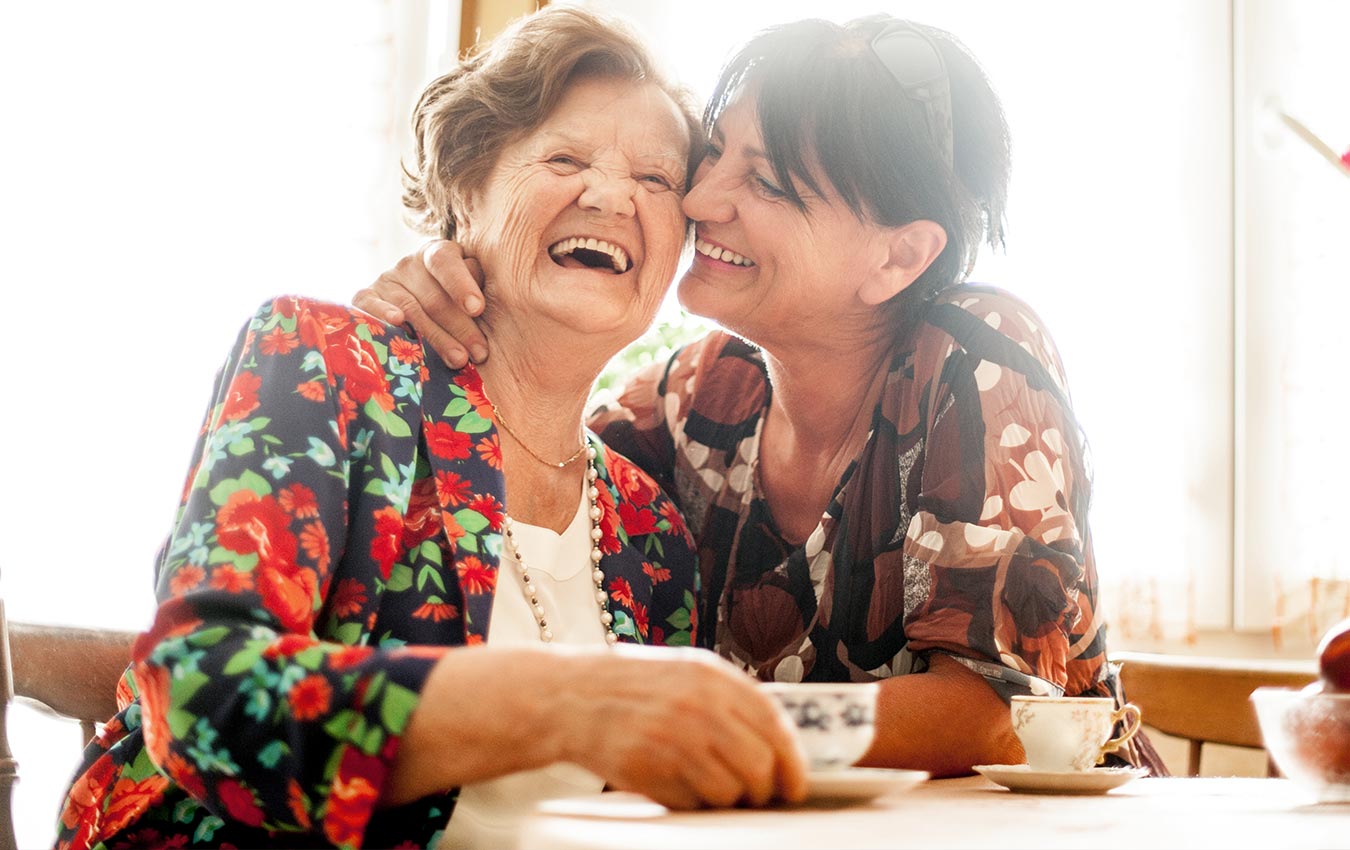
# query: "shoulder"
721,376
991,324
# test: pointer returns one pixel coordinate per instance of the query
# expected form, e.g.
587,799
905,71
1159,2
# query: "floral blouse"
340,530
960,527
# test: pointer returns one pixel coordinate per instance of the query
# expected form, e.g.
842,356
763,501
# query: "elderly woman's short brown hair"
465,118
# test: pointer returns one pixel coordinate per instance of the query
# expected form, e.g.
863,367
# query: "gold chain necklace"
501,420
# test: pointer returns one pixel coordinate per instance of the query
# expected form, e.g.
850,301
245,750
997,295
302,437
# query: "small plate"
856,784
1024,780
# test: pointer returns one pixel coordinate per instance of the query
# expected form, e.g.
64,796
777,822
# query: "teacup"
835,720
1063,734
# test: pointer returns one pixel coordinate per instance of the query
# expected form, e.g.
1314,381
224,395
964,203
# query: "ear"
908,251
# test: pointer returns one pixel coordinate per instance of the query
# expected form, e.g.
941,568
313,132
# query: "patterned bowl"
834,719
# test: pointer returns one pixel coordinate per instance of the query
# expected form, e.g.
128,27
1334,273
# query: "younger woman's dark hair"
821,91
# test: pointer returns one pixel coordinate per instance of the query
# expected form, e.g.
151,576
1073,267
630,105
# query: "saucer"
1024,780
857,784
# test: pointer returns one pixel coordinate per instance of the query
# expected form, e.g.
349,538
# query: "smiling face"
764,267
579,226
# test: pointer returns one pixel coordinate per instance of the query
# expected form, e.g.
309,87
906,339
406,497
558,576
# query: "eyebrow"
558,137
748,150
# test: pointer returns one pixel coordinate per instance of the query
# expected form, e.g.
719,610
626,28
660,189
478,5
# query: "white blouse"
488,814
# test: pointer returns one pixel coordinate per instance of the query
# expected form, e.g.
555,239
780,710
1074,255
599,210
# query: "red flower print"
609,520
472,383
239,802
421,522
247,523
435,611
346,413
641,618
153,682
314,540
299,804
634,485
451,490
84,800
185,578
405,351
309,697
315,322
241,398
475,576
386,546
621,591
225,577
352,359
130,799
299,501
312,390
490,450
366,320
491,509
671,514
285,646
636,520
185,775
444,441
351,799
349,656
289,596
453,530
278,341
473,640
348,599
656,574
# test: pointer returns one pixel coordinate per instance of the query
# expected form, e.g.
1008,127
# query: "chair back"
1204,699
66,672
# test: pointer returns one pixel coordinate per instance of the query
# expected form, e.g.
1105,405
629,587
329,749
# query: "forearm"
481,714
942,721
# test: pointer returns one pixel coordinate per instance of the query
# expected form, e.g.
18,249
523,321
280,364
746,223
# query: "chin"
698,297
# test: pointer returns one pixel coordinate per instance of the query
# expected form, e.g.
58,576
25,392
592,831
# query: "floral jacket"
961,526
339,531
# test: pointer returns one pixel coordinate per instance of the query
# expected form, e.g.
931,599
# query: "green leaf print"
400,579
472,423
458,407
392,423
396,706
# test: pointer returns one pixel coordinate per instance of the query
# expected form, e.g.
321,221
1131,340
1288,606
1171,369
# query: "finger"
766,716
461,277
751,757
367,300
713,782
396,292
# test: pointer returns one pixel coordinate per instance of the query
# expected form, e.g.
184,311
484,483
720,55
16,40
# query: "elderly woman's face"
579,222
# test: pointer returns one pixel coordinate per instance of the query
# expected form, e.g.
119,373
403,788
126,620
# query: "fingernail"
478,353
473,304
457,360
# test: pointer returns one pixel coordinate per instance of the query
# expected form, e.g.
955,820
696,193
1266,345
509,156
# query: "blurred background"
167,166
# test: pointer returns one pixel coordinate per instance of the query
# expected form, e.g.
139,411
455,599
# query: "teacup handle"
1131,711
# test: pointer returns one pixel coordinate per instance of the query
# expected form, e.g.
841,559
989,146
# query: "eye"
711,152
565,162
767,188
655,181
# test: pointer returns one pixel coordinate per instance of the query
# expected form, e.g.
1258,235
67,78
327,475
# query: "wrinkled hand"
683,727
439,291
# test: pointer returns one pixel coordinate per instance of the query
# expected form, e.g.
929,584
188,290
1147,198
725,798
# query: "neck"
824,392
542,395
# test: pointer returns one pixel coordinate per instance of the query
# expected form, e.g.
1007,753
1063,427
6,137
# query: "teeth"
716,252
617,256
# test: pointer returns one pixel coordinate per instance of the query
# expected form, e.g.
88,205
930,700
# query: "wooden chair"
67,672
1205,699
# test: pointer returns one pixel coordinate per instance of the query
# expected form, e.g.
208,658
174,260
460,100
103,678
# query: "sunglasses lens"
909,57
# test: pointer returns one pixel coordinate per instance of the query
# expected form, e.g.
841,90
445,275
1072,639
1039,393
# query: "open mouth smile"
586,252
717,252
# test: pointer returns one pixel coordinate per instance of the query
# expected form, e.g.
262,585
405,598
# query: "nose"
710,198
608,194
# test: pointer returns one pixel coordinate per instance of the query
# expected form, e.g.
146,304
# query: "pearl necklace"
597,575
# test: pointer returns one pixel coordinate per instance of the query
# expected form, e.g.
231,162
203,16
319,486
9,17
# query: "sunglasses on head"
916,63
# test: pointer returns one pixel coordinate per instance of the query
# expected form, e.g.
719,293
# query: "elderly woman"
337,658
879,462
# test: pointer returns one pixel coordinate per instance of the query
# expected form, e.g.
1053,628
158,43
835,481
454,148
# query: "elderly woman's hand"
439,291
683,727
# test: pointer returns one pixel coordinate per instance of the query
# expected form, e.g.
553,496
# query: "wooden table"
971,812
